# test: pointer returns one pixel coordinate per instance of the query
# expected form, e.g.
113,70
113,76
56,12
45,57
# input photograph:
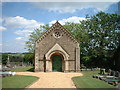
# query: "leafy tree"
29,58
98,38
16,57
30,44
79,32
4,58
103,37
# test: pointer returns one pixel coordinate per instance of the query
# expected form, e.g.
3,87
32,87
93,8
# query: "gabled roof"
57,25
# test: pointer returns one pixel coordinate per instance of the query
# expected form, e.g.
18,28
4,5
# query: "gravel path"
52,79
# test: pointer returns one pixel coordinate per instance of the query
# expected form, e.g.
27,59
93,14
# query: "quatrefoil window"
57,34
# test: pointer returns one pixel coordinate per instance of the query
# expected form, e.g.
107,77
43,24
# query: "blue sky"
19,19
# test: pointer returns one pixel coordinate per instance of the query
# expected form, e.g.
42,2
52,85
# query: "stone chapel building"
57,50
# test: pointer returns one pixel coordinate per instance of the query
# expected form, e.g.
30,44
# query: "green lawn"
24,69
18,81
86,81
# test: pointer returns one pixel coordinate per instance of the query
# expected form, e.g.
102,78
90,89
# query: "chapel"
57,50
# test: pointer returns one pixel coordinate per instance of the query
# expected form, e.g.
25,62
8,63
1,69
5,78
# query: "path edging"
32,83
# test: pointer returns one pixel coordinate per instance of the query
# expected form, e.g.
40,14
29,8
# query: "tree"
97,37
29,58
30,44
79,32
4,58
103,37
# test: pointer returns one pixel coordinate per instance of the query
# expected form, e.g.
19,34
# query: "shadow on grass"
31,70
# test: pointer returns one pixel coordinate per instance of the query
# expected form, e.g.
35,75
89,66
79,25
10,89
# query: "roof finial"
57,21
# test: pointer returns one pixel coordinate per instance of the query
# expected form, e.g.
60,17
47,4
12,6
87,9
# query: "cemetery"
15,68
111,77
61,46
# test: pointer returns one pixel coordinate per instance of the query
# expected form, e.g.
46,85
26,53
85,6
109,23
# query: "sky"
19,19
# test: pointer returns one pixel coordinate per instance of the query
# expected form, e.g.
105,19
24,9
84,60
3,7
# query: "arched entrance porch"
56,50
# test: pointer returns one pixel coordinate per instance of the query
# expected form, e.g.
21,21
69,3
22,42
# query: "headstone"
109,72
112,73
117,74
102,71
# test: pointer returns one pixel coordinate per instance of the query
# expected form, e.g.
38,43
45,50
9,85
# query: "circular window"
57,34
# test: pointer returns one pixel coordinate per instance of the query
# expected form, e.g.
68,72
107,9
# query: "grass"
24,69
86,81
18,81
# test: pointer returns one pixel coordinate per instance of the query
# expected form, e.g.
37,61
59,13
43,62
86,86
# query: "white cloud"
2,28
22,25
71,7
23,32
21,22
19,38
73,19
